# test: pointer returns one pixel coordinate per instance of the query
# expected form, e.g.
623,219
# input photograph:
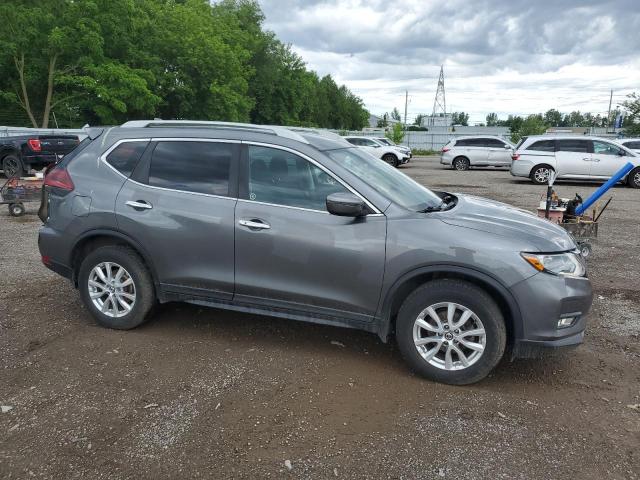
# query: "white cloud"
504,56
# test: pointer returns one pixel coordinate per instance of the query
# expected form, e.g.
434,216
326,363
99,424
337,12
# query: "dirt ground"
202,393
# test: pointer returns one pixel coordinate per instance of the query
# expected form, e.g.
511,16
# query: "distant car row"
536,157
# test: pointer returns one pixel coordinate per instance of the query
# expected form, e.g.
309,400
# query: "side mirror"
507,147
346,205
622,153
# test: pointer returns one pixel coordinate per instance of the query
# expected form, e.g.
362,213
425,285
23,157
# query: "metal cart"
17,191
584,231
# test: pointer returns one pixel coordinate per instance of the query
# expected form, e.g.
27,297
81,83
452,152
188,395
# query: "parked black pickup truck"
20,154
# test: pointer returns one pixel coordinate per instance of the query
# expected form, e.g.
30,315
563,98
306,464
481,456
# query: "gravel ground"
202,393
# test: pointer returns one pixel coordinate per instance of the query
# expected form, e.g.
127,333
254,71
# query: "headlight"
569,264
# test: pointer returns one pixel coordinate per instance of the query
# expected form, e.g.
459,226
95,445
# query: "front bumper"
544,299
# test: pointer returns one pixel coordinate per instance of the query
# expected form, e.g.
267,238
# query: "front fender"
443,270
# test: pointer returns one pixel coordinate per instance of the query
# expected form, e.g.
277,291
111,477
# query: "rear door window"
126,156
543,146
200,167
570,145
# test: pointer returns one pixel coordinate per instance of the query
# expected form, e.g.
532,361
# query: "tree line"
71,62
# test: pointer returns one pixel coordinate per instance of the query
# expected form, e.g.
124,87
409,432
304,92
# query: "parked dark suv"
302,225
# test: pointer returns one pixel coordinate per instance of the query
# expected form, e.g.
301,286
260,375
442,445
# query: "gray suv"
302,225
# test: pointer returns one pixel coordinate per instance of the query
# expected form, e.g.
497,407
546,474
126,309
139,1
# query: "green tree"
532,125
492,120
396,135
419,119
632,118
553,118
460,118
395,114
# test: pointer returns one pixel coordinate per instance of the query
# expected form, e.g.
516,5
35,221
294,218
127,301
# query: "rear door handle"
139,205
587,160
254,224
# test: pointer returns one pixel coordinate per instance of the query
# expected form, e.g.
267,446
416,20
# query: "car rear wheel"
634,178
461,163
391,159
540,174
12,167
116,287
451,331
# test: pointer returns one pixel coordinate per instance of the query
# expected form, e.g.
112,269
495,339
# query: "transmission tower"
439,103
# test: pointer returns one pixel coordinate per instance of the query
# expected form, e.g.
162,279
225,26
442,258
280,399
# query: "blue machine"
603,189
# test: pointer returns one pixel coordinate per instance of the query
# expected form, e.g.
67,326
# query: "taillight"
515,156
59,178
34,144
445,149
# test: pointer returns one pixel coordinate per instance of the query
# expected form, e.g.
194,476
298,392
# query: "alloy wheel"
636,179
542,175
111,289
460,164
449,336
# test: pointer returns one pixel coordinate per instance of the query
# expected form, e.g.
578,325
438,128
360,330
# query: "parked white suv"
575,157
478,151
391,155
385,141
630,143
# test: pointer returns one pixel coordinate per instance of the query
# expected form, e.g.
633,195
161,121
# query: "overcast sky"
504,56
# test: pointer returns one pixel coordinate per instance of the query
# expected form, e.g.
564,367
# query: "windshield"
386,179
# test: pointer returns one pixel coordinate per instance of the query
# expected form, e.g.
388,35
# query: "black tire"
12,166
145,297
461,293
633,179
538,174
391,159
16,209
461,163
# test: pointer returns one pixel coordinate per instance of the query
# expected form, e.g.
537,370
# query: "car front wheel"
116,287
451,331
391,159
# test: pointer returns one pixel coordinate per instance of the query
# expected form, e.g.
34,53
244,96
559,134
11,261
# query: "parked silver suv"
480,151
304,226
573,157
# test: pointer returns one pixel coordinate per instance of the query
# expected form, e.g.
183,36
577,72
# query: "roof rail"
317,131
269,129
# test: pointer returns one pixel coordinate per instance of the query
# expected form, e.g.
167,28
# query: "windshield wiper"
437,208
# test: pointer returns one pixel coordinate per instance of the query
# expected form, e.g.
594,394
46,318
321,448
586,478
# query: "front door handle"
587,160
595,160
139,205
255,224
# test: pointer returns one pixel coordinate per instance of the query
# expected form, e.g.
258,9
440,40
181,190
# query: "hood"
501,219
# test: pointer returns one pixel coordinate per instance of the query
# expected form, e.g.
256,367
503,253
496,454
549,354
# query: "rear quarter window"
126,156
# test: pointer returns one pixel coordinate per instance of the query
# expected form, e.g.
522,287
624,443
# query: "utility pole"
609,112
406,100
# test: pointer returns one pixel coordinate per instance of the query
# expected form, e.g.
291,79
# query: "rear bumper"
521,168
544,299
53,251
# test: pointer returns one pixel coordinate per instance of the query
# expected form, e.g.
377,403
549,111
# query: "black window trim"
244,179
141,172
